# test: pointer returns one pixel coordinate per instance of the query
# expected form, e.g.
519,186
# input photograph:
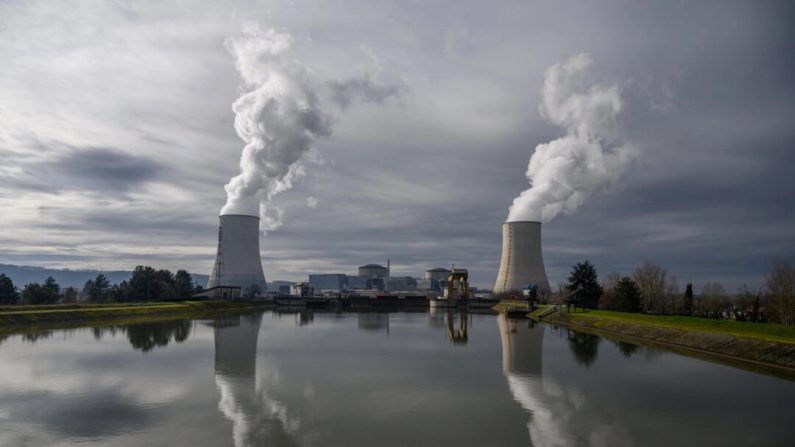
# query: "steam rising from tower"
281,114
565,172
521,262
588,159
238,262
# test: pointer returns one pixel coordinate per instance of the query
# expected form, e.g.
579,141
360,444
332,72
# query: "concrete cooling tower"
238,263
521,261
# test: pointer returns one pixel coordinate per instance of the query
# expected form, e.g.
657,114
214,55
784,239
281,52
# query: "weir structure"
238,262
521,264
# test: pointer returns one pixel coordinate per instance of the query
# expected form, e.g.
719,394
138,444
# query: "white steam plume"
283,111
590,158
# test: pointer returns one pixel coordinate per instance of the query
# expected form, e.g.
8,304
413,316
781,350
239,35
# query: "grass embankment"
761,343
504,305
15,317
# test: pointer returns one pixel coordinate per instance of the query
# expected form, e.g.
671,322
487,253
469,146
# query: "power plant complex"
238,266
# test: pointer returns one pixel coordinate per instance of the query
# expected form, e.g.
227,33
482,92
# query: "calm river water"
374,379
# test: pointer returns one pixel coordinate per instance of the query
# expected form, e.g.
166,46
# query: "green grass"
507,304
761,331
540,308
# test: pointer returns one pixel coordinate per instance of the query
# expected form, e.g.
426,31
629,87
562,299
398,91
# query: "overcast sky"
117,137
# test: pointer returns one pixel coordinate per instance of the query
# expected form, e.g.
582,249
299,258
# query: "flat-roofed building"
334,282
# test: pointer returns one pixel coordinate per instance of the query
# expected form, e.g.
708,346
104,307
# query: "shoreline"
45,317
750,353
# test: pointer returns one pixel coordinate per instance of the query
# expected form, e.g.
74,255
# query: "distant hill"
23,274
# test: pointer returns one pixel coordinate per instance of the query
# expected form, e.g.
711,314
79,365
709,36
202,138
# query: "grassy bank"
763,344
15,317
504,305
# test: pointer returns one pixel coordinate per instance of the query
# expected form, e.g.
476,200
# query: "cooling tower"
238,263
521,261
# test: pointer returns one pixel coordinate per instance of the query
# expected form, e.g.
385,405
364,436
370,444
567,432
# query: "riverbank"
759,345
14,318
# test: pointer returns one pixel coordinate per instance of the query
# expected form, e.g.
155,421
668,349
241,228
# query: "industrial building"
437,274
237,261
437,278
357,282
237,271
402,283
521,264
329,282
371,271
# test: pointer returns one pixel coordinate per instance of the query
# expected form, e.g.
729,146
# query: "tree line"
650,289
145,284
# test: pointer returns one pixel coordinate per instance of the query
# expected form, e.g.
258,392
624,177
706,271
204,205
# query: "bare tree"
559,297
611,280
687,302
712,299
781,286
651,279
671,296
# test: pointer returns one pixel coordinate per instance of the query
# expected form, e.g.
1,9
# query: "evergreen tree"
184,284
120,293
70,295
688,300
627,295
584,285
34,293
51,289
166,285
88,287
8,293
148,284
142,283
97,290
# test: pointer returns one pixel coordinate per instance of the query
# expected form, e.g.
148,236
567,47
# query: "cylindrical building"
521,264
437,274
373,271
238,262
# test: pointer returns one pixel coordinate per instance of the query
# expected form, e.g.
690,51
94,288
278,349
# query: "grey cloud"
363,89
106,167
709,98
100,414
101,170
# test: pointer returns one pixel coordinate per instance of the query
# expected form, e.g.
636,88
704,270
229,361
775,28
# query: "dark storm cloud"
101,170
96,168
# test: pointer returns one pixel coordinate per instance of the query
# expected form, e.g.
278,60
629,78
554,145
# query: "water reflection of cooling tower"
521,346
372,321
559,414
236,346
256,418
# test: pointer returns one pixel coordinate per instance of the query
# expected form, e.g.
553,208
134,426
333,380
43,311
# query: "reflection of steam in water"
559,414
256,418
